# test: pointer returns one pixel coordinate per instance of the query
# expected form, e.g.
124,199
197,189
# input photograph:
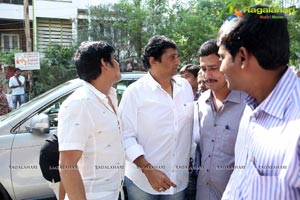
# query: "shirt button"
207,170
212,140
215,125
209,156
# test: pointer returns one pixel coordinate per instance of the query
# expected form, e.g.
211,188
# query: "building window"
9,41
19,2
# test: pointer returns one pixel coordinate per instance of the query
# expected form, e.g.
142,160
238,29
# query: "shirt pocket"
186,111
263,182
228,140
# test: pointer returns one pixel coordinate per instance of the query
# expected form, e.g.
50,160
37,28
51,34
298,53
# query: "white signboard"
27,61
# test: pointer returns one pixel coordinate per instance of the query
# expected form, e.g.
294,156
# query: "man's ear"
104,64
244,57
152,61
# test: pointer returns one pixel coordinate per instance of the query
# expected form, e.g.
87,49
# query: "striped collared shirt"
267,148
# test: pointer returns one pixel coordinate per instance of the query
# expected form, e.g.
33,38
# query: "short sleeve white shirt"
87,123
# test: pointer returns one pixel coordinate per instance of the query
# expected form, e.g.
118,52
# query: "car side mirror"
39,124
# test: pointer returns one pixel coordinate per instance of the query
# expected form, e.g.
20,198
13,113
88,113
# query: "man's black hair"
193,69
265,36
209,47
17,69
156,47
88,59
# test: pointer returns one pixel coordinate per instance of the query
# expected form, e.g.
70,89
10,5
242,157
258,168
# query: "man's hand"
158,180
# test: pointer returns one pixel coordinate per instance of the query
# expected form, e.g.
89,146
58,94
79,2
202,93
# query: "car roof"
133,75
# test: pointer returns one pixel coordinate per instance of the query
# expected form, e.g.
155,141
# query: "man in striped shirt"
254,50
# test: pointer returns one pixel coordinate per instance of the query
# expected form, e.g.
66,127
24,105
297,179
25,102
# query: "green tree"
132,22
56,68
8,57
294,30
193,25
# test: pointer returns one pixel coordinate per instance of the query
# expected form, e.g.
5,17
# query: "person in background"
91,149
190,73
195,153
4,106
254,50
17,85
201,82
298,73
219,111
157,117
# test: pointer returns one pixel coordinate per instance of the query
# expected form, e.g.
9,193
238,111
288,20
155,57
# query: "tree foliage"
8,57
190,24
56,68
294,30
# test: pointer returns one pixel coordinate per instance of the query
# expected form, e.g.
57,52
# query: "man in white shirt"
17,83
157,118
90,141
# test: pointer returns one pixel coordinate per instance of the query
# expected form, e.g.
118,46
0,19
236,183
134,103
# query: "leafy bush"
8,57
56,67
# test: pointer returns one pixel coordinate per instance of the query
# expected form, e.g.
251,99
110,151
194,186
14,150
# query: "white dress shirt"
87,123
160,128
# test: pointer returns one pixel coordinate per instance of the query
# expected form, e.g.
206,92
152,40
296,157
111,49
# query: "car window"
31,102
51,110
121,86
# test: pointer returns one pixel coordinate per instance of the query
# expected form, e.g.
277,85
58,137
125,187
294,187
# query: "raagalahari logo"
233,10
270,10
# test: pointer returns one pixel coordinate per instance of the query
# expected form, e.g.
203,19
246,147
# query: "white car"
21,140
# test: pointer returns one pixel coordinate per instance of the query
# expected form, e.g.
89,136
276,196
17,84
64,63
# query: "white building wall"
47,9
44,9
54,9
10,11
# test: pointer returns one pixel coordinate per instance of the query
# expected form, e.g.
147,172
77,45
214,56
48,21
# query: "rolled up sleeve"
128,113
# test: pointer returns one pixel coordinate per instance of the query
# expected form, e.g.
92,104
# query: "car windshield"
31,102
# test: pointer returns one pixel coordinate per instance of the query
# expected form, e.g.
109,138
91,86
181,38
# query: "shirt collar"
154,84
276,101
233,96
99,94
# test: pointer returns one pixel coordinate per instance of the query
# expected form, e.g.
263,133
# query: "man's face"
18,72
201,82
115,69
190,78
210,65
229,68
169,62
